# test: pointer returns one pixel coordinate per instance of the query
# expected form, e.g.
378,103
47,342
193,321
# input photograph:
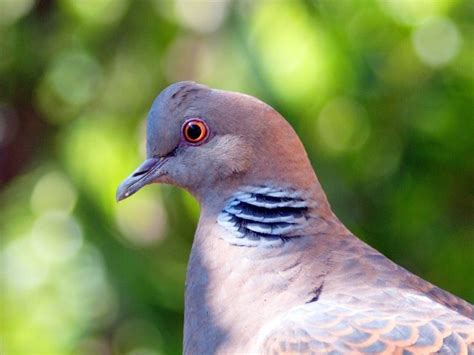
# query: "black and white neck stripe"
264,216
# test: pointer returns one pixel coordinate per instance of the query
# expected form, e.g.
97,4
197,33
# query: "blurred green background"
380,91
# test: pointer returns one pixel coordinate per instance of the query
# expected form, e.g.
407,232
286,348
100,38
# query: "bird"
272,269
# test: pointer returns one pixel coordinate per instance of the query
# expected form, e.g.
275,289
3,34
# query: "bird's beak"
148,172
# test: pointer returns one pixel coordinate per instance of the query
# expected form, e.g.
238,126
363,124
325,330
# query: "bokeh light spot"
142,219
57,237
71,81
97,11
98,152
21,268
206,66
129,87
294,51
53,191
74,77
177,64
342,126
83,287
13,10
436,41
412,12
201,16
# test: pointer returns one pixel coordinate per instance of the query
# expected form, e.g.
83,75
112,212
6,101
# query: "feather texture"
264,216
389,322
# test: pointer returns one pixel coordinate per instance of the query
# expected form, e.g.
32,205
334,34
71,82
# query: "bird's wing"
348,324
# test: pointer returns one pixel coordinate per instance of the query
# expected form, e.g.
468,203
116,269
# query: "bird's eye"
195,131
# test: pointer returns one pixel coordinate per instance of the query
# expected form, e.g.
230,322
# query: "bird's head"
207,140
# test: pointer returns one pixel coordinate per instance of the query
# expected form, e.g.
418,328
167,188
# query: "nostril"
140,173
146,167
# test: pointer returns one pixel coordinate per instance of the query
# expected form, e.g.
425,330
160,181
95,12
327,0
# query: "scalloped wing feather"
402,324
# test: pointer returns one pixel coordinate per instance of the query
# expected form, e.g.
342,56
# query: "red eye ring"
195,131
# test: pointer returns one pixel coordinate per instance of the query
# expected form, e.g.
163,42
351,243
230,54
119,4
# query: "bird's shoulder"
355,264
369,304
386,320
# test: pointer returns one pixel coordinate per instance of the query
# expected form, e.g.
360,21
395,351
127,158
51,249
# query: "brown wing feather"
405,324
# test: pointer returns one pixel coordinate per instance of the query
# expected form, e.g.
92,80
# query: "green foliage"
380,92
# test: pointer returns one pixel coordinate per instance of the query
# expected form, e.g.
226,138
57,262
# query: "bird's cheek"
174,174
165,179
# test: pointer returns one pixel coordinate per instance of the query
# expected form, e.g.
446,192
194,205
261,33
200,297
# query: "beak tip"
118,198
122,194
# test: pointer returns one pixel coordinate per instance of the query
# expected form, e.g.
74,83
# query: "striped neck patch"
264,216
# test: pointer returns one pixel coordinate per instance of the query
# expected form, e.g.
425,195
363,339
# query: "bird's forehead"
168,112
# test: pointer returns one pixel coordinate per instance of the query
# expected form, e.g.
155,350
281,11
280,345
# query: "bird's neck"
267,216
253,245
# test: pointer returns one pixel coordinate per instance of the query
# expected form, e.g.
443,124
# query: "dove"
272,270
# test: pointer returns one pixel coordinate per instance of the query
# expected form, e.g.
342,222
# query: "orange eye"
195,131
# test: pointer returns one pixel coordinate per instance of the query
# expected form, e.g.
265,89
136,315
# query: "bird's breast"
232,291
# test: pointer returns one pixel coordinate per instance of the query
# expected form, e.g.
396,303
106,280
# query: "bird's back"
386,321
368,304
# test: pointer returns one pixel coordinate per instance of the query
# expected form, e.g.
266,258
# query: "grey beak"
145,174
